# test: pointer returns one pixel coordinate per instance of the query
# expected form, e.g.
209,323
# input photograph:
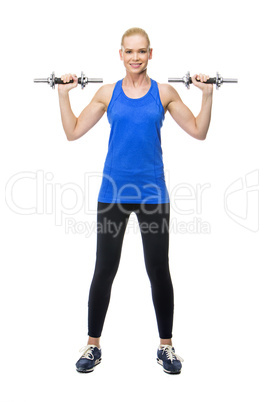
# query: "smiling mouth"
135,64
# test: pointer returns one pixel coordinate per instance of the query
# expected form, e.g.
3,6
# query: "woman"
133,181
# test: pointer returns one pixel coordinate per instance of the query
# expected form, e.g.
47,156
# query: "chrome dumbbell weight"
82,80
218,80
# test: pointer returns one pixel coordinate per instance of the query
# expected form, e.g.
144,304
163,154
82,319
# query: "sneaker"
90,358
169,360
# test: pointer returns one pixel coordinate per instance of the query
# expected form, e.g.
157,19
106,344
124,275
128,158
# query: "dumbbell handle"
209,81
59,81
218,80
52,80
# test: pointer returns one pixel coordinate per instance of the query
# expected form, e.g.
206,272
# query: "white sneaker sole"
167,371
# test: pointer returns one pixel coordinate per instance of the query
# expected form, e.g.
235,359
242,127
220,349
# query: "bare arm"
198,126
76,127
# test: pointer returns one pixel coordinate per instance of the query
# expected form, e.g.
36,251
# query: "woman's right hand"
64,88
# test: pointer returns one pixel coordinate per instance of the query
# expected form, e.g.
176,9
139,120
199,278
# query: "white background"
46,272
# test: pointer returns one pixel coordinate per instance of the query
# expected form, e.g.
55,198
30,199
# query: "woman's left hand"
198,81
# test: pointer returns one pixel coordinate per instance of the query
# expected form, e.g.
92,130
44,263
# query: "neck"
136,80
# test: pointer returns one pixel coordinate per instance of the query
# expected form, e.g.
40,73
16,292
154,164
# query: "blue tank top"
133,169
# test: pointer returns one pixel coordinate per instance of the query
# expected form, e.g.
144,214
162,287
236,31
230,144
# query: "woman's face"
135,53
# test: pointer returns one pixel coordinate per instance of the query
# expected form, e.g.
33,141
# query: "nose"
135,56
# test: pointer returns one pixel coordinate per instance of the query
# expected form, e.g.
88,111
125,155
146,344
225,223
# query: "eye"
128,51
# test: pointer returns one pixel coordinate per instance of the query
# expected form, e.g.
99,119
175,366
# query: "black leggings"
153,222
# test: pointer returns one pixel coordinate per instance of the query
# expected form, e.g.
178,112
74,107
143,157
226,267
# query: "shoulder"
168,94
104,94
106,90
167,90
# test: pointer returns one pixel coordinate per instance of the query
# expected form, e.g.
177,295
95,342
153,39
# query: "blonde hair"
135,31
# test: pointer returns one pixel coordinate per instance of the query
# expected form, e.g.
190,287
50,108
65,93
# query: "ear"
150,53
121,54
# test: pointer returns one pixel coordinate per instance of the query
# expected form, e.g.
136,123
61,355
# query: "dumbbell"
82,80
218,80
